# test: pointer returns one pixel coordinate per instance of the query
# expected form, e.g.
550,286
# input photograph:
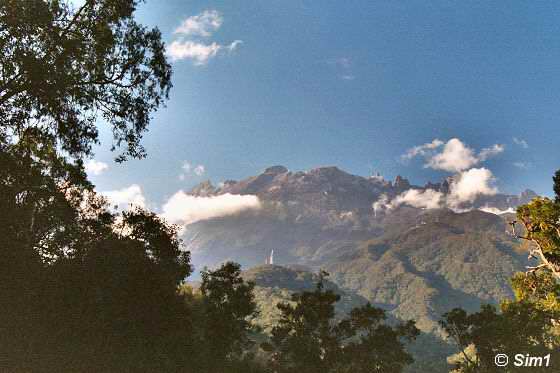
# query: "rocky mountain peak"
527,195
203,189
328,171
275,170
401,183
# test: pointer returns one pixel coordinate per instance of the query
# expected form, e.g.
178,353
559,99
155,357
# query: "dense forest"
87,289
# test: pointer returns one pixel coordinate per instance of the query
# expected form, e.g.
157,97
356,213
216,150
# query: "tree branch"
552,267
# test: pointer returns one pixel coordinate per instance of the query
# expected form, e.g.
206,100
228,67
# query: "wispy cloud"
521,142
490,152
343,67
199,170
94,167
187,168
234,45
199,53
522,165
190,43
343,62
422,150
203,24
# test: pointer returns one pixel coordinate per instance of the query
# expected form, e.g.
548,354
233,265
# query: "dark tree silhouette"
82,289
556,185
228,306
63,68
309,339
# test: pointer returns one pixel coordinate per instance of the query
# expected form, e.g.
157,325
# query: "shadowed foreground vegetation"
85,289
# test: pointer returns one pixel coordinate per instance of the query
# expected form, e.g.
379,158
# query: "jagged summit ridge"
330,188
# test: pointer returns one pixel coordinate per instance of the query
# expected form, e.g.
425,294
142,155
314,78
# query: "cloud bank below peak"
184,209
465,186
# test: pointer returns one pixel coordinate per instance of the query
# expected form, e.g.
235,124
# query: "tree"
308,339
375,346
541,221
520,327
228,307
63,68
80,282
556,185
118,300
528,324
83,289
305,338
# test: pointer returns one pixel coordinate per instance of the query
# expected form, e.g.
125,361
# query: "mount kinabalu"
415,263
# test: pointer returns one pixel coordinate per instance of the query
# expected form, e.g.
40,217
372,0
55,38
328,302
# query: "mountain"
415,263
275,284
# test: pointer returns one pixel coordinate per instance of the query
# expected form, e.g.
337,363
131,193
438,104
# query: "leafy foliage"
76,285
228,306
541,219
64,68
518,328
308,340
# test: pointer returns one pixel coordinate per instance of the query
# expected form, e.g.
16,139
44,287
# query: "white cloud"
94,167
203,24
465,188
428,199
497,211
234,45
189,45
455,156
199,170
200,53
381,204
187,168
521,142
468,185
185,209
125,198
490,152
422,150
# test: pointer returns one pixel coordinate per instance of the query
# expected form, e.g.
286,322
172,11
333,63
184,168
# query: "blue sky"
353,84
